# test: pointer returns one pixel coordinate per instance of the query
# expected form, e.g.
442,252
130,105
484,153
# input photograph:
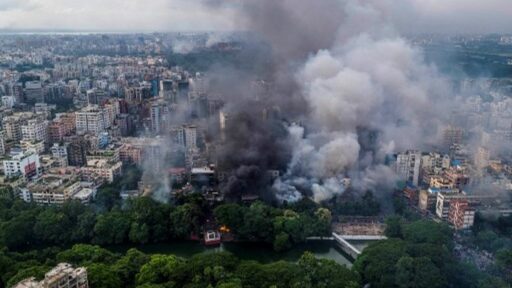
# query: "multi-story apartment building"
62,276
12,128
407,166
57,189
91,119
60,154
2,143
35,130
104,169
22,163
461,214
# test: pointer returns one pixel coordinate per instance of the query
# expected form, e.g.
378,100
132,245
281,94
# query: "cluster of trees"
494,235
281,227
143,220
136,269
418,254
25,225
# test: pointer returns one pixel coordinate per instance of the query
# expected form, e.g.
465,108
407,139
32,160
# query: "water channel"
249,251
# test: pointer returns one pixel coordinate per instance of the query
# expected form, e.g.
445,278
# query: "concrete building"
443,203
185,136
77,150
104,169
407,166
453,135
22,163
60,128
8,101
125,124
91,119
62,276
60,154
2,143
35,130
461,214
158,116
482,158
34,91
12,128
457,176
130,154
55,189
434,163
38,146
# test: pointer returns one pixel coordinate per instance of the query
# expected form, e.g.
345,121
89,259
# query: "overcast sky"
480,16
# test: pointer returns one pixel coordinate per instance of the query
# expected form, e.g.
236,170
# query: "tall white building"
186,136
2,143
407,166
8,101
435,162
22,163
35,130
190,137
158,115
12,128
482,157
91,119
60,154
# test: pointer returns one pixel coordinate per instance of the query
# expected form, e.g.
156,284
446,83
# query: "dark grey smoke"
293,28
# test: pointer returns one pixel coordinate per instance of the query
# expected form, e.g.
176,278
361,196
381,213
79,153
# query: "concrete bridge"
364,237
345,246
348,248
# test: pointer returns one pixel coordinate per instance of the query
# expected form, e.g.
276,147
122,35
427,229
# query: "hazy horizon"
432,16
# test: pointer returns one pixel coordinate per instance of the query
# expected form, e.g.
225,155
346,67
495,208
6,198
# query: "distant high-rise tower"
407,166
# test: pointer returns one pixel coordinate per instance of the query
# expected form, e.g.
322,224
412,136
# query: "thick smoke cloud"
367,93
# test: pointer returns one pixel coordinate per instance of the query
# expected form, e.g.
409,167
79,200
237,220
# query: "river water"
248,251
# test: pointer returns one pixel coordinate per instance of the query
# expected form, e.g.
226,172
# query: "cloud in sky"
450,16
113,15
453,16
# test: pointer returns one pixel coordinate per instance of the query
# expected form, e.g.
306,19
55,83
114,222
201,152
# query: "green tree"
258,223
111,228
102,276
377,263
82,254
139,233
186,219
18,232
231,215
427,275
404,277
323,273
108,196
83,230
158,270
394,227
504,259
425,231
282,242
129,265
52,227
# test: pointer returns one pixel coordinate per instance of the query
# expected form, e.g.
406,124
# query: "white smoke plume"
368,92
373,80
